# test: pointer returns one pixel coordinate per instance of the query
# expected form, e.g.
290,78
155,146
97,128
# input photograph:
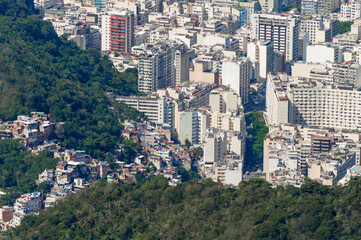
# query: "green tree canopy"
154,210
41,72
343,27
20,168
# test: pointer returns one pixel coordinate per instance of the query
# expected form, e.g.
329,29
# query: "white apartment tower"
226,111
276,101
118,31
237,74
312,103
262,52
283,31
319,29
192,126
350,11
325,107
156,69
215,147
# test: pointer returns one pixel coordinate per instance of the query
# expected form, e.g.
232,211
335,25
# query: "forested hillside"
154,210
19,169
41,72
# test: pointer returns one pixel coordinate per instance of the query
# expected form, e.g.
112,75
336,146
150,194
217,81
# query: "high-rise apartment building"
313,103
99,4
118,31
237,74
215,147
326,7
309,7
319,29
276,101
350,11
347,74
192,126
156,68
183,60
228,121
262,52
283,31
225,113
149,78
271,5
224,101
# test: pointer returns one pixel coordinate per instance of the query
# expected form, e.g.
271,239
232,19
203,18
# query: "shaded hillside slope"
41,72
154,210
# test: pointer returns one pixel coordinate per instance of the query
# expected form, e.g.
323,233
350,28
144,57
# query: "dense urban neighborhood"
205,109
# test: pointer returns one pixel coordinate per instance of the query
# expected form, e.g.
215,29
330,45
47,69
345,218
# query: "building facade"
156,109
313,103
183,60
118,31
192,126
156,69
350,11
283,31
262,52
215,147
237,74
309,7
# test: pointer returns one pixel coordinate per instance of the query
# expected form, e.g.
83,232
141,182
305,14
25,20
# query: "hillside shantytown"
228,90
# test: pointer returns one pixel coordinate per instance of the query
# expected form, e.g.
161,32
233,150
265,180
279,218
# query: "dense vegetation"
257,130
130,150
343,27
154,210
19,169
41,72
187,175
16,8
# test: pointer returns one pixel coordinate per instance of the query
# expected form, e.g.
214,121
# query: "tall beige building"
192,126
215,147
262,52
236,74
224,101
182,61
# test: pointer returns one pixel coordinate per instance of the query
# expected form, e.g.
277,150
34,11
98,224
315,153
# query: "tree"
41,72
19,169
187,143
187,175
174,137
197,152
343,27
130,149
199,210
44,188
259,132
